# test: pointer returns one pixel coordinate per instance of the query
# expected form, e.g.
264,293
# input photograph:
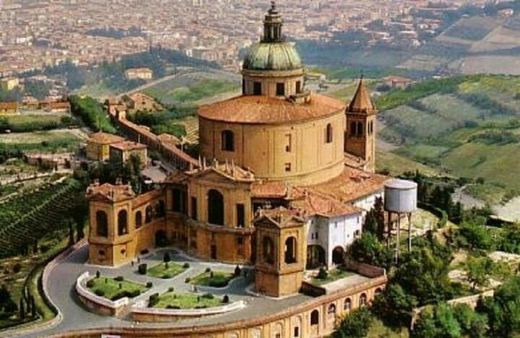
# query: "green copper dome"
272,56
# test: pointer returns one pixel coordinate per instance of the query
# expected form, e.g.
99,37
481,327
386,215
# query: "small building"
98,145
9,83
141,102
7,108
57,107
397,82
122,152
139,74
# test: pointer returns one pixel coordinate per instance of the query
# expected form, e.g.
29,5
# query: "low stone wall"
140,312
96,303
366,270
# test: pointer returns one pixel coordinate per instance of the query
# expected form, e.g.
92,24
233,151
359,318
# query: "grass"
213,279
112,289
172,300
396,165
379,330
332,276
166,270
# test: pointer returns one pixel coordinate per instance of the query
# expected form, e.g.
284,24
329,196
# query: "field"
45,141
466,127
172,300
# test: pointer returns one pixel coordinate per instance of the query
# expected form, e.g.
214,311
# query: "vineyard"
26,218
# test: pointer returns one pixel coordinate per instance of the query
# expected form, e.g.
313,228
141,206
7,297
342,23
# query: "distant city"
35,34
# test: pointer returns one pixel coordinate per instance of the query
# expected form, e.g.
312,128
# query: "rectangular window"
257,88
194,208
240,215
280,89
288,143
298,86
240,240
287,167
316,236
296,332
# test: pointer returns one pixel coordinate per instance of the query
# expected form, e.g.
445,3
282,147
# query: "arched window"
331,311
138,219
328,133
360,131
362,300
290,250
122,223
177,200
215,207
268,250
378,291
347,306
228,140
148,214
315,317
101,223
353,129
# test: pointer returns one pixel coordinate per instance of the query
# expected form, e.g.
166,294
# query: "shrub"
98,274
17,268
167,257
208,296
238,271
211,274
171,289
208,269
218,283
173,307
149,285
99,293
90,284
225,299
153,299
167,276
119,279
186,265
323,274
187,280
142,269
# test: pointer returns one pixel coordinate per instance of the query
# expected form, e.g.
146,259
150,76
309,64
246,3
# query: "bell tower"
280,252
360,135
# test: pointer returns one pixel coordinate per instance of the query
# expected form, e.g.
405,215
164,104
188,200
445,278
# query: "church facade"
283,181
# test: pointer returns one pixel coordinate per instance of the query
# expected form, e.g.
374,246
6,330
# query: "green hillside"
468,126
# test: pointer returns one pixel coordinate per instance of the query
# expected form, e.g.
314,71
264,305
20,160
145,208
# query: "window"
331,310
353,129
280,89
347,306
315,317
194,208
228,140
240,215
328,133
290,250
257,88
215,207
362,300
296,332
148,214
102,223
360,131
268,250
122,223
138,219
243,86
298,87
287,167
288,143
159,209
240,240
177,200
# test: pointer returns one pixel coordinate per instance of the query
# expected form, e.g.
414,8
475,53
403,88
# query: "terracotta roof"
128,145
8,105
269,110
362,102
114,193
282,217
104,138
314,203
352,185
228,170
273,189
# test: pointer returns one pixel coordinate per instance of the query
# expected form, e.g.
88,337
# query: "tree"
354,325
394,306
472,324
437,322
503,309
369,250
7,305
475,236
478,270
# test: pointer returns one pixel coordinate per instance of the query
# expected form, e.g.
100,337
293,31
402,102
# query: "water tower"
400,200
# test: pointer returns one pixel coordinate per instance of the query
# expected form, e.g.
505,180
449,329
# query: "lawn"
217,279
396,165
332,276
166,270
112,289
172,300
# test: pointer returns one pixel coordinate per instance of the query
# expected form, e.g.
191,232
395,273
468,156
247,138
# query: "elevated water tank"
400,196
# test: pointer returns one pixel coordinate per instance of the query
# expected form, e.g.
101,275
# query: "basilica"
282,183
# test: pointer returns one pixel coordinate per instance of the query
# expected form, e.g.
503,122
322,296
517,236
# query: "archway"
338,255
315,256
315,318
122,223
101,223
290,250
215,207
268,250
160,238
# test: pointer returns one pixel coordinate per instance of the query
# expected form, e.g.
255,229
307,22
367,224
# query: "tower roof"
361,102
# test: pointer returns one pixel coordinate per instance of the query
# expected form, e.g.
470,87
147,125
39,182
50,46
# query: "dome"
273,56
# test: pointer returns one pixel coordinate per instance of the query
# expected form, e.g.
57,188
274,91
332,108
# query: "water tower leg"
389,229
398,241
409,232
